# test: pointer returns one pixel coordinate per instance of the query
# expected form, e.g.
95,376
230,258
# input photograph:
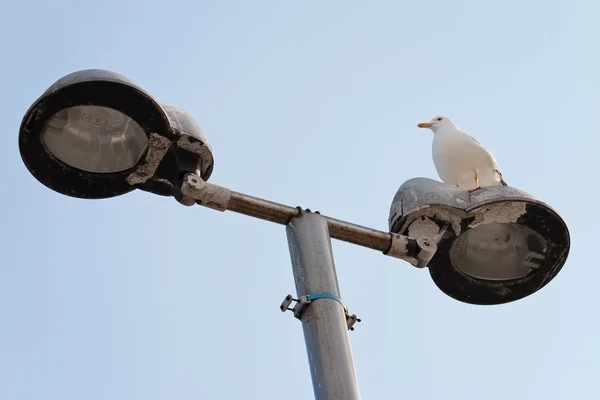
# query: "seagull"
461,160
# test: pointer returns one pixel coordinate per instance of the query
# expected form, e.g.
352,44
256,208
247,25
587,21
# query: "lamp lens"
498,252
95,139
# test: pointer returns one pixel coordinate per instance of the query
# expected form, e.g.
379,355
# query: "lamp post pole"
325,319
324,322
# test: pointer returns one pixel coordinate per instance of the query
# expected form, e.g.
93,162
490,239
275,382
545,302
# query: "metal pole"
323,320
194,189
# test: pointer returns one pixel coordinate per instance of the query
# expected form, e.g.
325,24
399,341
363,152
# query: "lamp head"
495,245
95,134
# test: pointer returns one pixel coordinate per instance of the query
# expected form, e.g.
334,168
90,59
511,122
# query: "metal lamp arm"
194,190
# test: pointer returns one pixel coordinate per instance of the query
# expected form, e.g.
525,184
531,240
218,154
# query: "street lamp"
95,134
495,245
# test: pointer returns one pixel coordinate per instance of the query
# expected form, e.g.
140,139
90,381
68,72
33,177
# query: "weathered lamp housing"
95,134
495,245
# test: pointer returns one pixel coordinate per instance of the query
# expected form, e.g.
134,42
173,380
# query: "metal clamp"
204,193
304,301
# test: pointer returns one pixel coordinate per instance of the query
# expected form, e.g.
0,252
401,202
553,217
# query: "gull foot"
477,188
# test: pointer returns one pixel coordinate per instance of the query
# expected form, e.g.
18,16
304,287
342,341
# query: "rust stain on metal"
504,213
157,147
194,146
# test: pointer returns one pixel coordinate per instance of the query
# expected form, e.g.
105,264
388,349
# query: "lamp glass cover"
95,139
498,251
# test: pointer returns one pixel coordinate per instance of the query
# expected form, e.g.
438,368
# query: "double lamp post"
94,134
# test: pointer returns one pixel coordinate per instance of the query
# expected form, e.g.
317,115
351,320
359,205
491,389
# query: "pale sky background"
311,103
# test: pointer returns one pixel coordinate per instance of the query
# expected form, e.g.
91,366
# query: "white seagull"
460,159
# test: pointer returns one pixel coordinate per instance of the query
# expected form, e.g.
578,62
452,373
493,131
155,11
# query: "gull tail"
502,181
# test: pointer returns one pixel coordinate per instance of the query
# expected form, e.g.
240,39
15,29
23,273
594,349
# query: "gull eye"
439,119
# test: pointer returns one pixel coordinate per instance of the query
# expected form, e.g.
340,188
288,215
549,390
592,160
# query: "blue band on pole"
324,296
317,296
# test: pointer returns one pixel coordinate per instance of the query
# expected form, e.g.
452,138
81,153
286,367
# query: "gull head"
439,123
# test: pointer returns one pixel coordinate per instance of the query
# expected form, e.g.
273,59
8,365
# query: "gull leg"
477,187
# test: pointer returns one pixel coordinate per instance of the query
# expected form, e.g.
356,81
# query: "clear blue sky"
306,103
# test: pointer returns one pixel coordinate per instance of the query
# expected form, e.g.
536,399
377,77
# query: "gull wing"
496,166
475,140
502,181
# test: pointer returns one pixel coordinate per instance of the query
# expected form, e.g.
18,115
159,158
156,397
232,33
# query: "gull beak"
425,125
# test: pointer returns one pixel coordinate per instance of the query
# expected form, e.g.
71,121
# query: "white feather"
458,157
